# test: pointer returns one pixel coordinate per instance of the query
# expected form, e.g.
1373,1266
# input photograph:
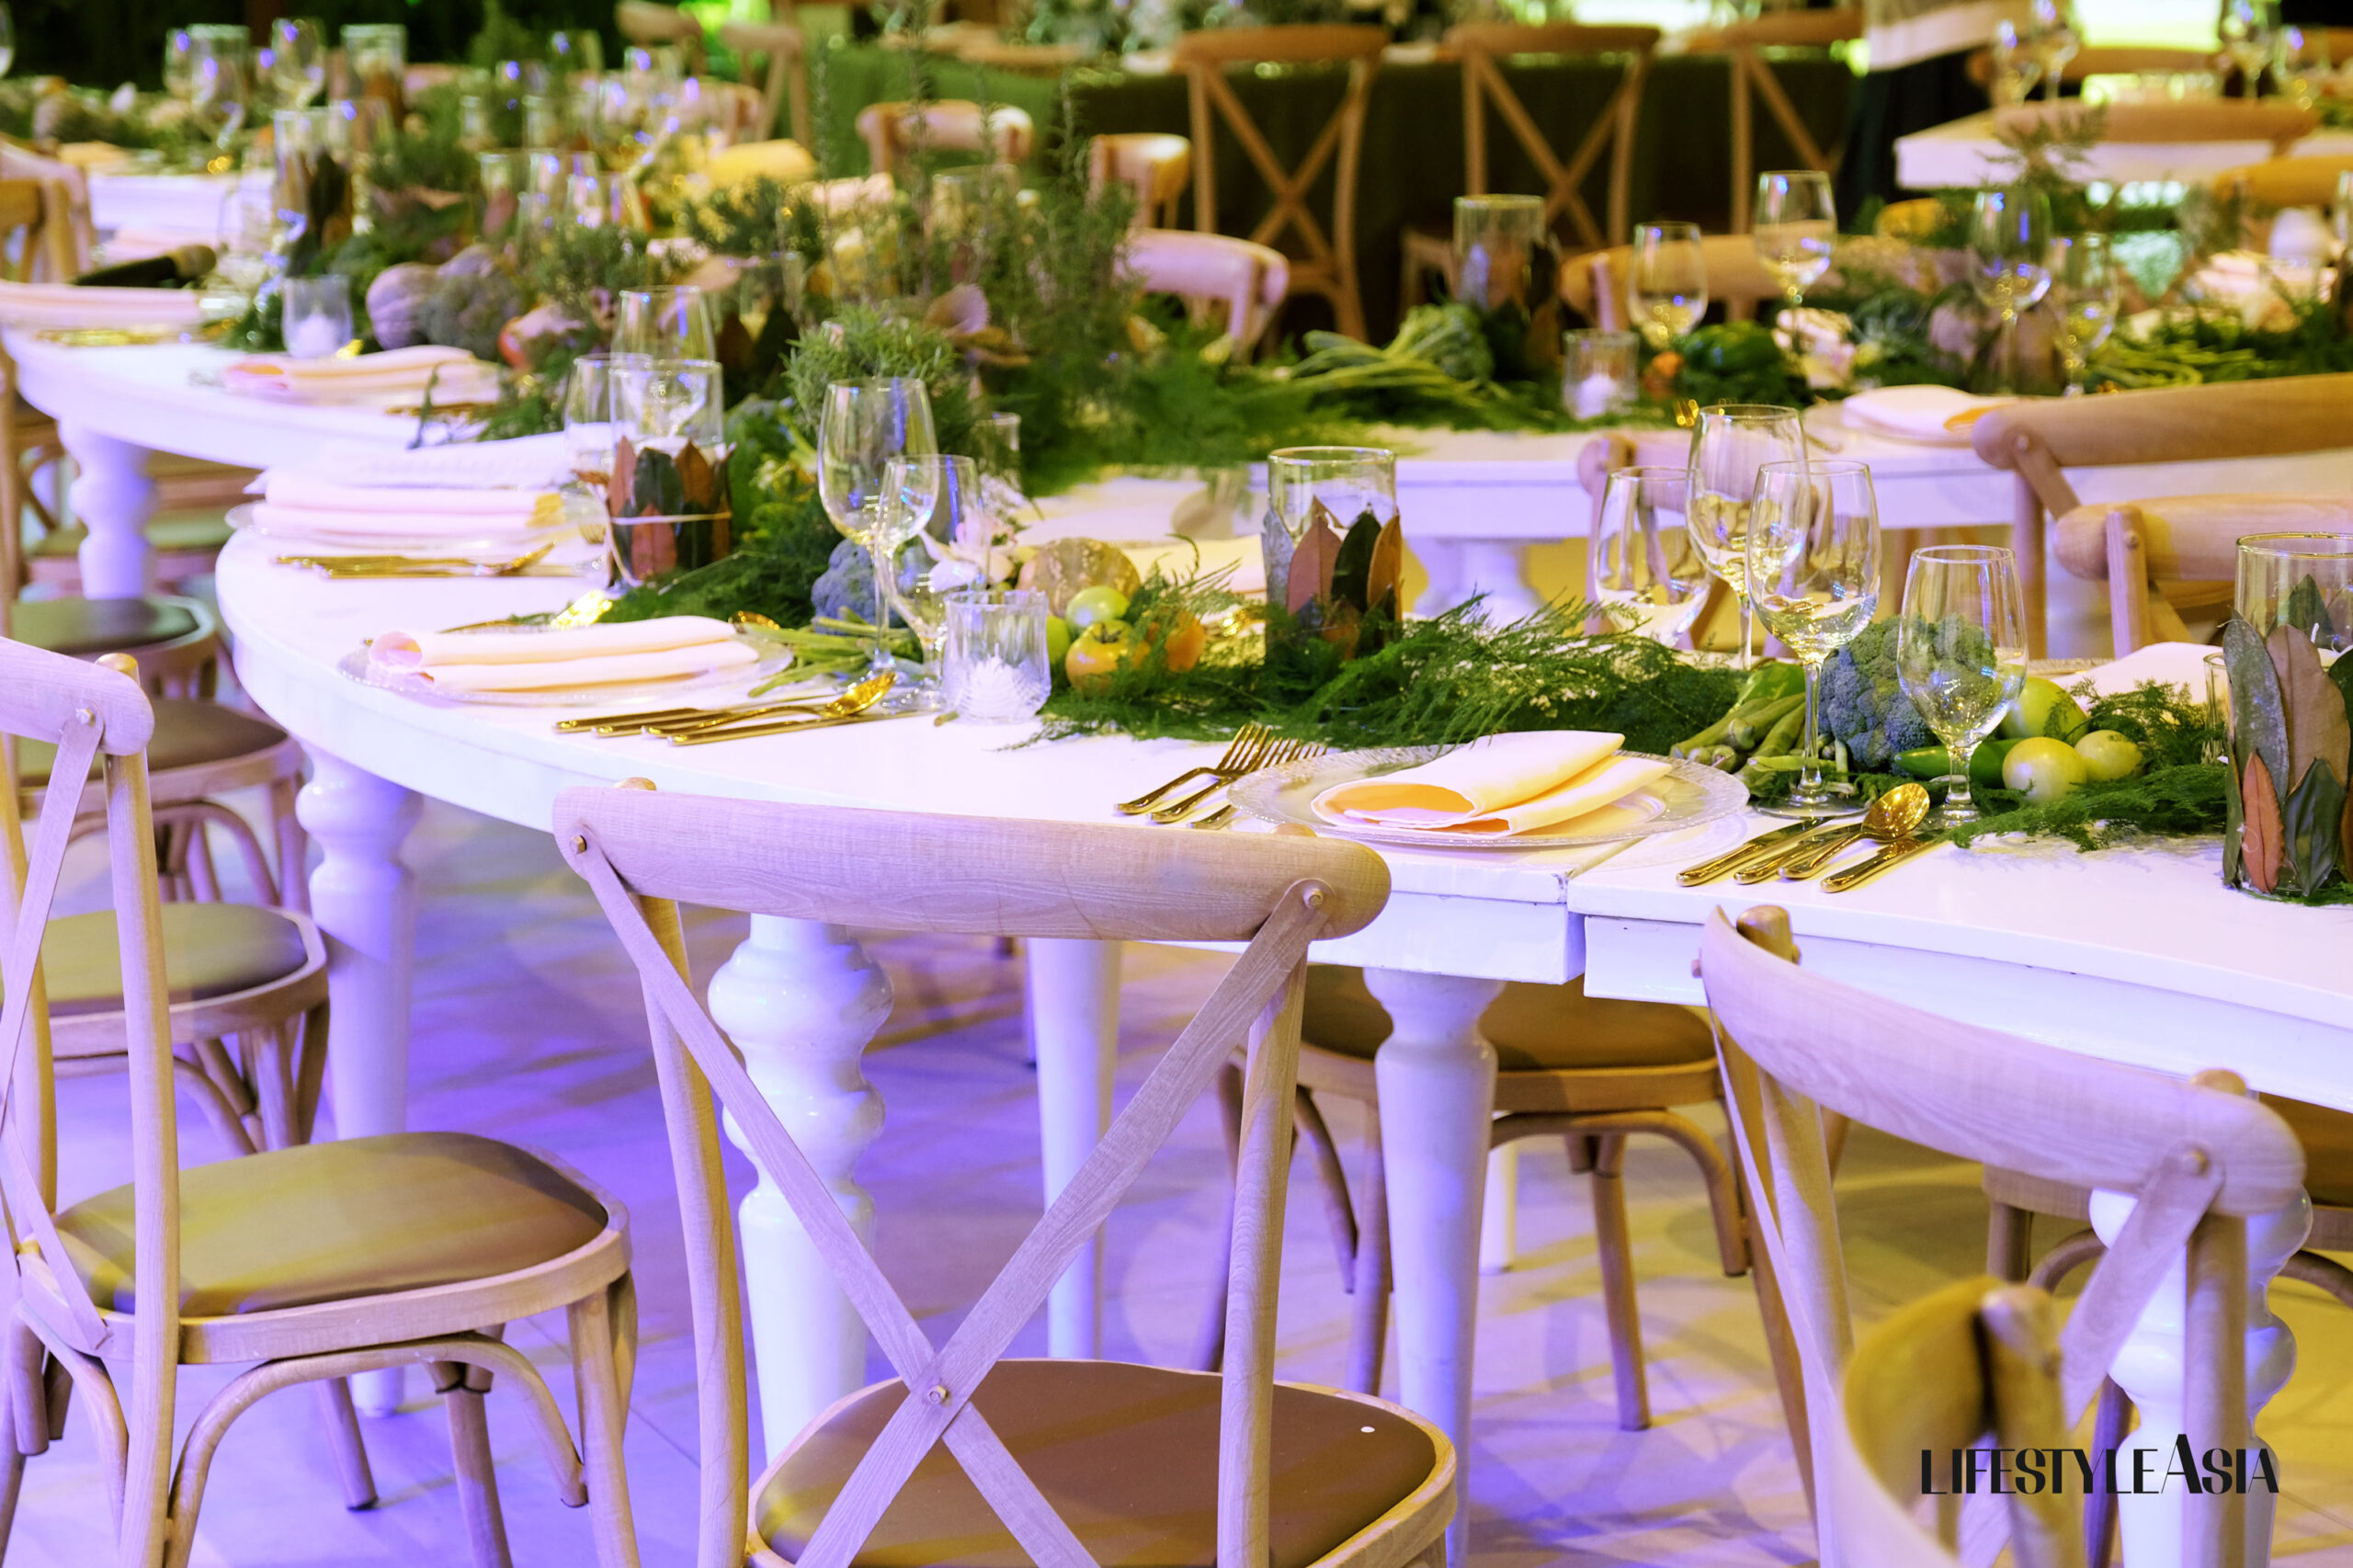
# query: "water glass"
220,78
669,322
862,426
2083,286
1350,482
1641,570
1666,282
660,408
995,670
1730,444
1601,374
298,59
317,320
936,496
375,59
503,179
1497,240
249,235
1812,574
2304,580
1960,653
1796,229
588,419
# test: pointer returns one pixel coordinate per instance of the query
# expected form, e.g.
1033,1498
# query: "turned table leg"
801,999
114,498
364,899
1437,1081
1074,1013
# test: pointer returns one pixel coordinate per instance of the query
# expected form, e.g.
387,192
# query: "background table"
1957,156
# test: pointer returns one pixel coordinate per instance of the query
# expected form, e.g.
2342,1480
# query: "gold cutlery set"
1802,850
346,568
1253,746
706,726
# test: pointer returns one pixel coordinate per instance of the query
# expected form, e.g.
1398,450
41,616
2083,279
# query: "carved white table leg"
365,902
114,497
1441,563
2149,1368
1075,1023
1499,1214
801,999
1497,568
1436,1079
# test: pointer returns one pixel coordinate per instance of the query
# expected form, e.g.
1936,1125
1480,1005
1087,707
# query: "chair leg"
469,1447
1368,1316
2082,1247
595,1376
1581,1149
1613,1248
2107,1431
1331,1180
1724,1189
2323,1272
1833,1137
294,847
2009,1241
12,1473
1211,1355
350,1450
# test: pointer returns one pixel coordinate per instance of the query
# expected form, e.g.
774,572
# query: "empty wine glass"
946,489
2009,238
671,322
219,58
2083,285
179,62
1961,653
862,426
1642,569
2245,32
1730,442
1666,282
298,59
2015,68
1796,227
1813,574
2052,38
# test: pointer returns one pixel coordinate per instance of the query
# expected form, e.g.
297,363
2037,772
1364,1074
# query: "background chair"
1328,267
312,1262
1752,77
786,49
1208,271
1187,1466
2037,437
894,131
650,26
2160,555
1155,166
1595,285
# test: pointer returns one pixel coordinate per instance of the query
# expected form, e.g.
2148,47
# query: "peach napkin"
1502,784
396,374
667,648
1937,415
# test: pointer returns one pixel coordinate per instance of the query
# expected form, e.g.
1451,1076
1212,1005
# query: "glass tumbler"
1601,376
317,320
2304,580
667,493
995,666
1497,241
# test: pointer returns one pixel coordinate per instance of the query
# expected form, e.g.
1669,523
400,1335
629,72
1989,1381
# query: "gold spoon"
863,694
850,705
1892,817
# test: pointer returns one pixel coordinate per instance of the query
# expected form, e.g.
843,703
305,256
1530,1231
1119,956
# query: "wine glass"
863,426
1812,574
216,85
947,489
179,64
2050,38
669,322
2245,32
2009,235
1730,442
1642,569
2016,70
1796,225
1960,653
2083,285
1666,282
298,59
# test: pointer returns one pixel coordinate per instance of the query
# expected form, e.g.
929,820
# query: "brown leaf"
1386,578
2317,730
624,474
1312,561
696,479
2260,840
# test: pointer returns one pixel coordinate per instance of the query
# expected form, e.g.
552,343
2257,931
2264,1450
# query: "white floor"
527,1029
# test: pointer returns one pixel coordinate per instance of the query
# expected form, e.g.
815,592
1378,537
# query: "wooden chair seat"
185,546
82,629
335,1222
210,949
188,733
1128,1454
2165,558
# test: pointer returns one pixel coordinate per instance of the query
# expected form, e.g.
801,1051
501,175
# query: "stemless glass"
1497,240
2304,580
863,426
375,56
1666,282
1961,653
1642,569
668,322
996,668
317,319
2009,236
298,59
1349,480
1813,574
2083,285
666,406
1730,442
588,419
937,492
1600,371
1796,227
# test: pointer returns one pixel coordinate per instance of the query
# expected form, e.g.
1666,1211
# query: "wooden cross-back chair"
1975,1358
2037,437
652,25
1069,1462
1751,71
895,131
785,85
2201,1156
1210,272
312,1262
1328,266
1155,165
2153,552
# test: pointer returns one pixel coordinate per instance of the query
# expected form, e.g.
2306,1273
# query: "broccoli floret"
846,586
1863,702
467,313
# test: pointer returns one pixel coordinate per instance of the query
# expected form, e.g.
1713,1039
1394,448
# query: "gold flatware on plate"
1890,820
1277,754
1732,860
850,705
1887,859
345,567
1248,736
858,697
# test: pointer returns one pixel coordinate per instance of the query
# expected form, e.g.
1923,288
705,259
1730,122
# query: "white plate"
496,541
1685,797
729,685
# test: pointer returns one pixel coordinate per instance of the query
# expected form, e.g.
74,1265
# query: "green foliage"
870,344
579,271
1738,362
754,218
2186,347
425,154
1438,370
504,37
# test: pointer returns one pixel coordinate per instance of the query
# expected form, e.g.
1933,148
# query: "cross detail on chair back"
1484,46
1752,77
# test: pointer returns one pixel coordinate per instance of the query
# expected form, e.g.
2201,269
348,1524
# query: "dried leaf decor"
2259,843
2292,815
1313,560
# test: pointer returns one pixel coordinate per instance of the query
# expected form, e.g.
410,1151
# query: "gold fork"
1296,752
1269,751
1248,736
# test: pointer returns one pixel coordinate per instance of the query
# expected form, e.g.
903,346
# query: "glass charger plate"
730,685
1687,796
491,542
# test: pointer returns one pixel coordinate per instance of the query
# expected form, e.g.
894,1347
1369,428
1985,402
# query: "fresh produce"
1768,698
1058,640
1099,652
1090,605
2043,768
1179,634
1748,729
1736,362
2043,708
1863,703
1985,763
2108,755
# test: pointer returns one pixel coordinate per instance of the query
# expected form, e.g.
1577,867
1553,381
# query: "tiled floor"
528,1028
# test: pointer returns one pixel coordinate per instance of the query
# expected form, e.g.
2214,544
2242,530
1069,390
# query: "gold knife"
1894,855
779,727
1769,866
1732,859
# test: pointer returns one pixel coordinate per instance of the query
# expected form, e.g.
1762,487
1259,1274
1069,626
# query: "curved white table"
2140,957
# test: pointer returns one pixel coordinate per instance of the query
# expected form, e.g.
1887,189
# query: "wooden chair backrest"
2308,181
642,853
2212,120
1247,279
1977,1356
90,712
786,85
1155,165
2137,546
2038,437
1595,285
1752,77
892,131
65,245
1205,57
2200,1155
650,26
1482,46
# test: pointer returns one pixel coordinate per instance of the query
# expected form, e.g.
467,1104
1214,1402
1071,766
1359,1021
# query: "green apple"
1057,636
2044,708
2108,755
2043,769
1101,602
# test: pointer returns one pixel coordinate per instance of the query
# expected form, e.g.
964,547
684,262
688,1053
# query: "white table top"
1960,153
